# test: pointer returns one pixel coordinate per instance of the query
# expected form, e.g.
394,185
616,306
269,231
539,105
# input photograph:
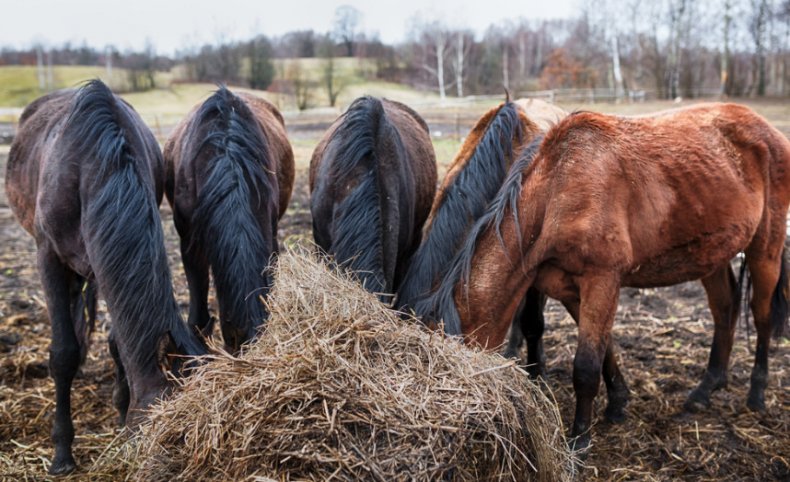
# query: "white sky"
176,24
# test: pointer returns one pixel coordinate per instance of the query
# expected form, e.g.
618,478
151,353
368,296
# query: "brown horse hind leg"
765,275
616,387
64,354
724,301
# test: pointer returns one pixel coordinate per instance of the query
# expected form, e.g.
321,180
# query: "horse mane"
462,202
239,184
442,301
358,228
122,228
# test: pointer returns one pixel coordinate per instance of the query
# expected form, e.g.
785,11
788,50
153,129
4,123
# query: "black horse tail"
359,239
464,201
779,303
120,219
235,219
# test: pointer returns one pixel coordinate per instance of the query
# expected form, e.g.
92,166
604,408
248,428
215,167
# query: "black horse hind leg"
196,268
724,301
529,325
120,392
64,352
767,290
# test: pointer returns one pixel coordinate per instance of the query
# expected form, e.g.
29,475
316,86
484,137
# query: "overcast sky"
173,25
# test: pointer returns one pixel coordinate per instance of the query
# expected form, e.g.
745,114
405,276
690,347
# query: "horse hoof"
62,467
696,402
614,415
536,373
756,403
580,446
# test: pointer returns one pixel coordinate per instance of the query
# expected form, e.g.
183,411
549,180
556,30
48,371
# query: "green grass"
20,83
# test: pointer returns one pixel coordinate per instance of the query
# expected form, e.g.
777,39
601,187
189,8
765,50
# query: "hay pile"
340,387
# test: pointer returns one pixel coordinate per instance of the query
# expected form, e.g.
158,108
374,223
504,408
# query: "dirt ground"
664,336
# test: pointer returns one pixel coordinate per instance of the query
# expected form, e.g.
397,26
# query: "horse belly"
689,261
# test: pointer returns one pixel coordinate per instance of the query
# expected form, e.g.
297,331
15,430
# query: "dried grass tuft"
339,387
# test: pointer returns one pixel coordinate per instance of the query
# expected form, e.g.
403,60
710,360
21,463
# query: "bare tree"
261,66
725,47
301,85
433,39
761,13
677,11
346,23
463,42
332,81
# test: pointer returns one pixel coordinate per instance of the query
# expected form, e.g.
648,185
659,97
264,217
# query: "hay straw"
339,387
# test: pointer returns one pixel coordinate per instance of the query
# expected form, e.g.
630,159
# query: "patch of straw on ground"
338,386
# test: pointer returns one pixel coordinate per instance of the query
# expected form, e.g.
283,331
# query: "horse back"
273,127
653,193
38,121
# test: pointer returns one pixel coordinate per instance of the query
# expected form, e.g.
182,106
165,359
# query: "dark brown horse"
230,173
372,180
647,201
85,178
471,183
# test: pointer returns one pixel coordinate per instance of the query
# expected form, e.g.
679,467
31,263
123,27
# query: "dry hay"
339,387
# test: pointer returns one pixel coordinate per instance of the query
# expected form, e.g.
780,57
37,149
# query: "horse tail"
779,302
229,220
120,219
463,201
358,237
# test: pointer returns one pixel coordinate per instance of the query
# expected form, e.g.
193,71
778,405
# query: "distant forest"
670,48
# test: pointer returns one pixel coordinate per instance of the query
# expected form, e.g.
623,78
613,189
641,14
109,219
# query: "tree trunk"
40,68
725,57
676,18
505,67
619,88
440,46
459,64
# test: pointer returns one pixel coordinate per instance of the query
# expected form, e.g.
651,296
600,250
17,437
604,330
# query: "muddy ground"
664,335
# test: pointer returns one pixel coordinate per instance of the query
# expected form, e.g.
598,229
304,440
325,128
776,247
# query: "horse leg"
196,270
515,339
532,324
616,387
765,275
617,393
599,295
64,353
120,392
724,301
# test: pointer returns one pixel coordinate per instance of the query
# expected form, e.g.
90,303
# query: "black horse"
372,180
85,178
230,172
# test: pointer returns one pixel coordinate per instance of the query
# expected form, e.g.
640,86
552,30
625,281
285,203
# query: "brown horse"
372,180
85,178
647,201
471,183
230,173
